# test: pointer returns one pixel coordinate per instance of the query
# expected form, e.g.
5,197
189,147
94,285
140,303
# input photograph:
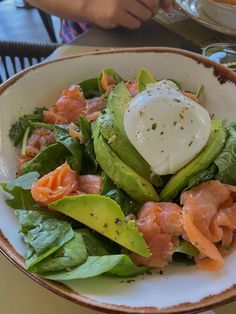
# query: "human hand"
126,13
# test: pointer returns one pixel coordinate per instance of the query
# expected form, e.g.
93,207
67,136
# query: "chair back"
48,24
16,56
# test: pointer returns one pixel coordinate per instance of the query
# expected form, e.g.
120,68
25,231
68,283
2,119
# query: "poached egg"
167,128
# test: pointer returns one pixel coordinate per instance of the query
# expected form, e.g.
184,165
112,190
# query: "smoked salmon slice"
54,185
107,82
71,105
63,181
209,221
133,87
191,96
75,134
213,260
21,160
36,142
94,106
161,226
68,108
90,184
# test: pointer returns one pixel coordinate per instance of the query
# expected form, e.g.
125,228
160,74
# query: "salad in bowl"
117,179
133,172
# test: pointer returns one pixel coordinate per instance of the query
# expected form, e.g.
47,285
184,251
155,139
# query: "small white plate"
193,8
222,13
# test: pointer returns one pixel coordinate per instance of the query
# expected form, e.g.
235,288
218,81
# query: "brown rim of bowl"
212,25
223,74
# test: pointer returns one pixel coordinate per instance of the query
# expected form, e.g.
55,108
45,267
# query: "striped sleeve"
70,30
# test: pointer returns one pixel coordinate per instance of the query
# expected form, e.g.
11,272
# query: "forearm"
73,10
104,13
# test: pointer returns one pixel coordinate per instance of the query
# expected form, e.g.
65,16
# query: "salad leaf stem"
24,142
199,91
42,125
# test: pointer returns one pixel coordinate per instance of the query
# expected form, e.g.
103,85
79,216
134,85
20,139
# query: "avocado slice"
112,129
117,103
111,73
180,180
105,216
122,175
144,77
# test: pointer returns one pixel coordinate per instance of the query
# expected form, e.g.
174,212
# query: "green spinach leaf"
185,253
63,137
43,234
18,198
107,184
75,149
223,167
18,129
128,205
201,176
126,268
184,259
93,245
17,192
226,160
187,248
71,254
89,163
90,88
25,181
47,160
109,189
119,265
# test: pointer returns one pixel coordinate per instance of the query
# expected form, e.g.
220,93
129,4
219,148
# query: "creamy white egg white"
167,128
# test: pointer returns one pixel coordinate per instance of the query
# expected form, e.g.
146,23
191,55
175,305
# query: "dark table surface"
151,34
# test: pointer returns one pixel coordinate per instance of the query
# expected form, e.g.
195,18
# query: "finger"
155,10
138,10
129,21
166,4
150,4
153,5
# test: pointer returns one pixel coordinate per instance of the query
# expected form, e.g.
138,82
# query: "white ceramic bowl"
222,13
181,289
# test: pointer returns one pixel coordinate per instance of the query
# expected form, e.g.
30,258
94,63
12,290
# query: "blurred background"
19,21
